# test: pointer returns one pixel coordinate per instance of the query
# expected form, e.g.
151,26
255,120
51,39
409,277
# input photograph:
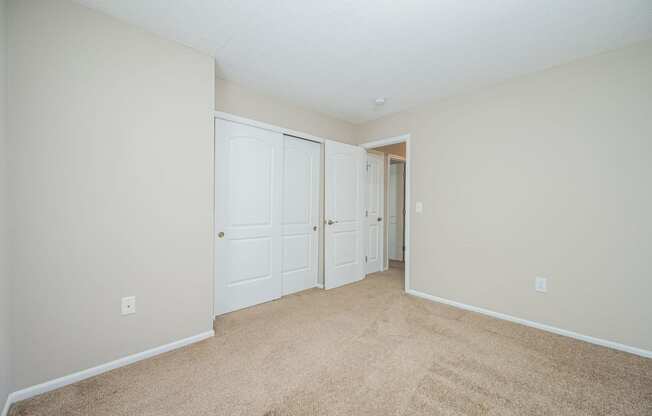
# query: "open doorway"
396,211
388,202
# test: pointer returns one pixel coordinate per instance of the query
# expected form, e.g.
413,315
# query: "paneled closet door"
300,214
248,215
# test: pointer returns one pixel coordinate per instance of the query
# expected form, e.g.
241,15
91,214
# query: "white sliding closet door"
374,212
344,232
300,214
248,201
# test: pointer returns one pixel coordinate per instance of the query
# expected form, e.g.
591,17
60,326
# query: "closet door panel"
300,214
248,214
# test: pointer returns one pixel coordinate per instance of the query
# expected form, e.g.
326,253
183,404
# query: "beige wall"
111,146
397,149
234,99
546,175
5,287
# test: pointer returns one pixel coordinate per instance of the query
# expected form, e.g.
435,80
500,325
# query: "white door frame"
404,138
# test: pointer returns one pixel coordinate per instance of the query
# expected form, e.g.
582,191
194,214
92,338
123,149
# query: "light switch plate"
128,305
419,207
541,284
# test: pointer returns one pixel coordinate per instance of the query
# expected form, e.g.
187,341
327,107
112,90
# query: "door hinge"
365,259
366,212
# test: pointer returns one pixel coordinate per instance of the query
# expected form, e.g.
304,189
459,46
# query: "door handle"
380,219
314,228
331,222
220,234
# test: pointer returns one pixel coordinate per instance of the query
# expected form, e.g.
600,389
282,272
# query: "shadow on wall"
397,149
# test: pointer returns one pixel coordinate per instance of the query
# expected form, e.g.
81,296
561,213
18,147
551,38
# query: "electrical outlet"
128,305
541,284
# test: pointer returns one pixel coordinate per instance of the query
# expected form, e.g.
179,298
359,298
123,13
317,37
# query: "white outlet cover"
541,284
419,207
128,305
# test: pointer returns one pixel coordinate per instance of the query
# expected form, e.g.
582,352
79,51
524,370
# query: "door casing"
404,138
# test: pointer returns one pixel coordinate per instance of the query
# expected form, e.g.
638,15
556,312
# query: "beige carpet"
366,349
395,264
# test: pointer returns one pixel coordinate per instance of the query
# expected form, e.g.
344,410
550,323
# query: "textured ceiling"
337,56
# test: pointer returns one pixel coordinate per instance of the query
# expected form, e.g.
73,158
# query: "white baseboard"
102,368
544,327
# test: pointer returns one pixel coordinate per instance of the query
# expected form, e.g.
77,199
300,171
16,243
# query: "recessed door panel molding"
344,235
297,250
300,225
344,173
345,247
241,250
248,214
374,215
251,165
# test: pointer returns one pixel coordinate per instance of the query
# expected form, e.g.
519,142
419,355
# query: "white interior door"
300,214
374,212
344,216
248,198
396,211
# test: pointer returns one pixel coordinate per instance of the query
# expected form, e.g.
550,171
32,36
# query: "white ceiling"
338,56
